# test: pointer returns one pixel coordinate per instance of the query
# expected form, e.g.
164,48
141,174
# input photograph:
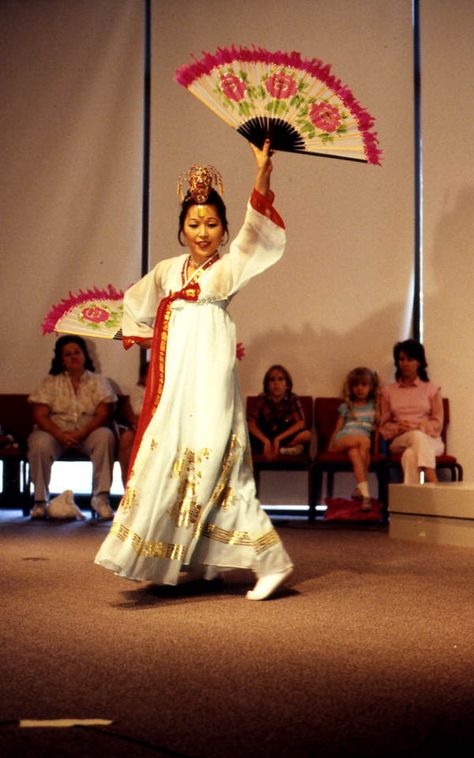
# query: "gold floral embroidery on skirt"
223,495
128,501
185,512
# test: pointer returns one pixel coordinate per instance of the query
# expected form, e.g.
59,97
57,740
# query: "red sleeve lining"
264,204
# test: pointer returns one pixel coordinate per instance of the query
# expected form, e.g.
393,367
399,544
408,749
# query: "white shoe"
100,504
267,585
294,450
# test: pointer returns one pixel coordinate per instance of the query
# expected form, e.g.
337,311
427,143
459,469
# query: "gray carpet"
370,652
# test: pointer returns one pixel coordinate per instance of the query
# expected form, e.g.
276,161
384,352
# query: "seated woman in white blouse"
72,408
412,414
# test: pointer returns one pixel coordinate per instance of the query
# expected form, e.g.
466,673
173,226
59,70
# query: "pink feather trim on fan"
91,299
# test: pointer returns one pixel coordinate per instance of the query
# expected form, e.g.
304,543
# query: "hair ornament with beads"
200,180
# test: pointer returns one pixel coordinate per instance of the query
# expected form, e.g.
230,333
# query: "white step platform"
441,513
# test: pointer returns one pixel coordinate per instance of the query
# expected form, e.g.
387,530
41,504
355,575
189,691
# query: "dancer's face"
203,231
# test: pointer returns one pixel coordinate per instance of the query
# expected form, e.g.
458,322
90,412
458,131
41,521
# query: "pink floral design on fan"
96,314
281,85
233,87
325,116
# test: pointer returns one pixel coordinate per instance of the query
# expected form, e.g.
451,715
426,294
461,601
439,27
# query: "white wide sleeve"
140,303
259,244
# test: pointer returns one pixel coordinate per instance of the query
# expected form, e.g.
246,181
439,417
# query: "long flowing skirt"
190,500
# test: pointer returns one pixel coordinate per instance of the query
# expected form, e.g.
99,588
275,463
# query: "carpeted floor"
369,653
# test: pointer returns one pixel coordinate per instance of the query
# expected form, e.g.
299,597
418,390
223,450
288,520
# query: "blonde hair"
354,376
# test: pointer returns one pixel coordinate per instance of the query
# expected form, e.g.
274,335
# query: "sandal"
38,512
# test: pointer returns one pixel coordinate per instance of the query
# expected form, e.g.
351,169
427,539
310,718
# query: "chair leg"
383,475
317,486
311,497
330,483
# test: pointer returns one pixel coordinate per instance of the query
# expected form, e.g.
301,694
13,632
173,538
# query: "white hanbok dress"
190,500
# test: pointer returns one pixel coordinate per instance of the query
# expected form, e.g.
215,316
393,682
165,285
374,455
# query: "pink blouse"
420,403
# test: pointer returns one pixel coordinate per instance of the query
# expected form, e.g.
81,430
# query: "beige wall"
71,96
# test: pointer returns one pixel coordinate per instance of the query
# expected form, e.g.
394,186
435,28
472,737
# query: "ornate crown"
200,179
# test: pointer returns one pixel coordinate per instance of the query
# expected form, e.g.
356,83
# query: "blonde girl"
356,424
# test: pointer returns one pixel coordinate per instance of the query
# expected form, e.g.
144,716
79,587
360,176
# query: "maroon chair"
16,419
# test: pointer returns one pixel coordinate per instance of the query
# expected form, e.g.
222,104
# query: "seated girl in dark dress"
276,422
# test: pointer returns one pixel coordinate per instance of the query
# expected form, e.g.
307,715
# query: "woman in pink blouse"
412,413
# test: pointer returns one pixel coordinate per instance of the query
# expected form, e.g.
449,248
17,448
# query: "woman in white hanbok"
190,505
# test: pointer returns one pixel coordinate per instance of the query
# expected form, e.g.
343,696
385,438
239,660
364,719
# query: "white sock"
364,488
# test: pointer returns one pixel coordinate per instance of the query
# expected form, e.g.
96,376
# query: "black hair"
57,362
213,199
284,371
413,349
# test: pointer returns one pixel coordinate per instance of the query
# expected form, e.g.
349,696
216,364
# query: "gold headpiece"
200,179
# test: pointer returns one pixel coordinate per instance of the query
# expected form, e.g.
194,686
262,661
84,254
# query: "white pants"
418,451
44,449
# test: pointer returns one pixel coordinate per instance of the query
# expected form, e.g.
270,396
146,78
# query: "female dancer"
190,504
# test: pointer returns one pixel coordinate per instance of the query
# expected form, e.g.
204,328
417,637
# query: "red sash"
156,372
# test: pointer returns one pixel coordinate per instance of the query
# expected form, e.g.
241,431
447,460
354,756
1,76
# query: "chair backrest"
306,403
15,416
325,419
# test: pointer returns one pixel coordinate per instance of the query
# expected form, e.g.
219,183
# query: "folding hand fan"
295,102
90,313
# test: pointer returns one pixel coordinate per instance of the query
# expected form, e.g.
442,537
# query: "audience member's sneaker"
39,510
100,504
295,450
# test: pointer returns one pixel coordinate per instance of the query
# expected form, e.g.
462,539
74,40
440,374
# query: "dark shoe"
38,512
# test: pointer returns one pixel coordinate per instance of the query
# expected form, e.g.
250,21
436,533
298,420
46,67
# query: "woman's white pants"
418,451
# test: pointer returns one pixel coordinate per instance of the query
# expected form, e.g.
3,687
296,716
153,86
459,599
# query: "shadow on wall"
319,359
